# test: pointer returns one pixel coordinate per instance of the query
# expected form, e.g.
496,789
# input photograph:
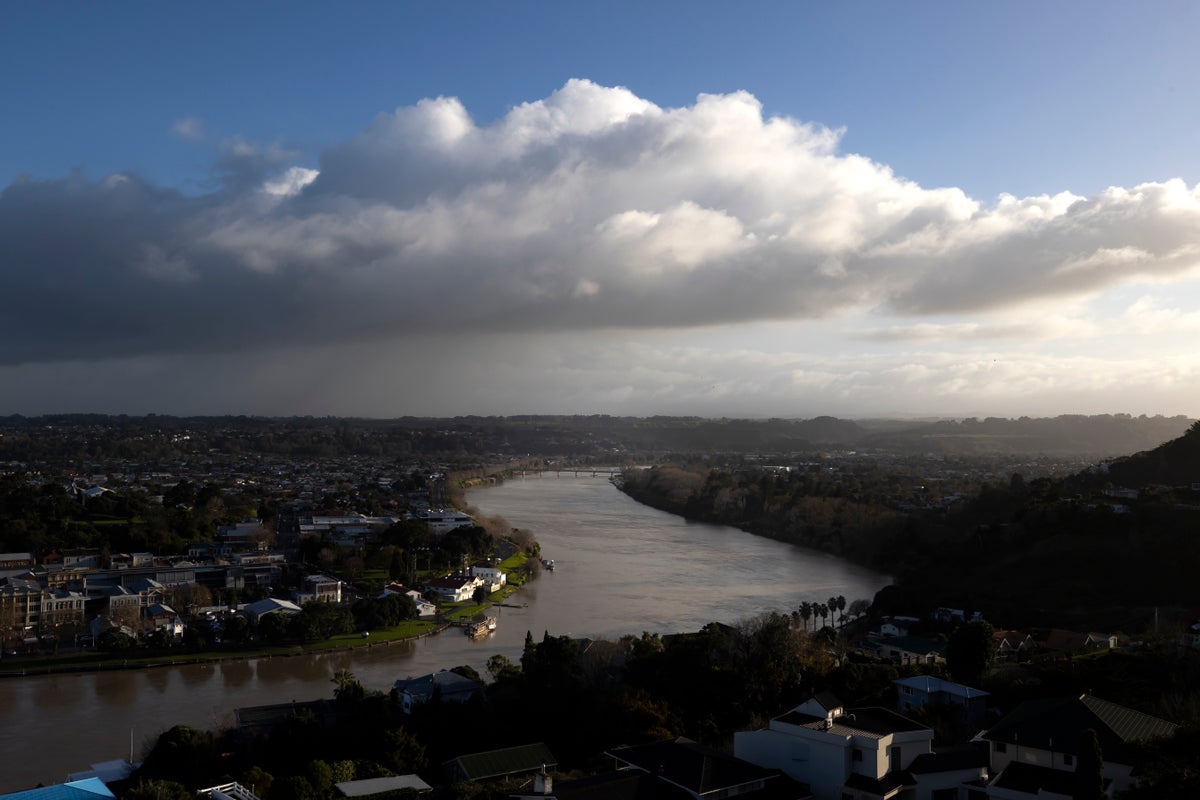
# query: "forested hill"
1173,463
595,437
1101,436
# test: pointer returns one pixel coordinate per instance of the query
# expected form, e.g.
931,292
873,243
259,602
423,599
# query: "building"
1032,751
444,520
454,589
445,686
493,577
926,690
259,609
370,787
861,754
87,789
524,759
319,589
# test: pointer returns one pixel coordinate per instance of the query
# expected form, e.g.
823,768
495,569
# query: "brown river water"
620,567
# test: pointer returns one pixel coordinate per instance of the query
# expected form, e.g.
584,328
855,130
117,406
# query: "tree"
970,650
806,612
114,640
1089,768
480,595
859,607
349,689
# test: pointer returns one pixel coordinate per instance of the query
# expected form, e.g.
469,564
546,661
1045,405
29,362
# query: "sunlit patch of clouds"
291,182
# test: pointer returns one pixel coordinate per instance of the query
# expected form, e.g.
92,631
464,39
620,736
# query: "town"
257,553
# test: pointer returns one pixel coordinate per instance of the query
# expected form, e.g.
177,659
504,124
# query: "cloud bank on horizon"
590,211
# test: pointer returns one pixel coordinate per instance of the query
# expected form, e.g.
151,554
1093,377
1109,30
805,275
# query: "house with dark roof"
860,754
1013,644
508,762
1061,641
1032,751
444,686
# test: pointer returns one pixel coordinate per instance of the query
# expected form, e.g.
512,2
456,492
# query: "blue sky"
139,141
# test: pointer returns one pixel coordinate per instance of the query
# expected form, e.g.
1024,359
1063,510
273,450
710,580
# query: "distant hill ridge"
1173,463
594,436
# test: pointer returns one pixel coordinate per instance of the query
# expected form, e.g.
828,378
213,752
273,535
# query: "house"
1013,644
1032,751
524,759
1061,641
81,558
424,607
444,686
908,649
249,534
444,520
87,789
16,560
319,589
850,755
454,589
257,610
926,690
370,787
159,616
493,577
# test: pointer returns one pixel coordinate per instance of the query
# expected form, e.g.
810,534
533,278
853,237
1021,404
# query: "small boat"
548,563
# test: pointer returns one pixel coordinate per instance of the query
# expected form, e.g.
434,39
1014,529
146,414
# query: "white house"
454,589
424,607
319,589
493,577
841,755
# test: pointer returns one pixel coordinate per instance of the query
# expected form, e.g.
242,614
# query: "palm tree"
841,607
806,612
823,612
832,603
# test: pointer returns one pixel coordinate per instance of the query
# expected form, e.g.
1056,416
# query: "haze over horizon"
434,210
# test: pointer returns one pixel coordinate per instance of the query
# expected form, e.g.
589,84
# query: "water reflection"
59,691
159,678
195,675
236,673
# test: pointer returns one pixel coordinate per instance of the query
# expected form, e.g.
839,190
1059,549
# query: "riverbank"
54,665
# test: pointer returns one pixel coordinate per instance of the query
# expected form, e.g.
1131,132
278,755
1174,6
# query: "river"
621,567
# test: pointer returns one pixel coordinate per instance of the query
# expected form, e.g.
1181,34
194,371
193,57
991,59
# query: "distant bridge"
593,472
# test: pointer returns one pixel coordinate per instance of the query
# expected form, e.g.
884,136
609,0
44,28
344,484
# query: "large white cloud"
592,208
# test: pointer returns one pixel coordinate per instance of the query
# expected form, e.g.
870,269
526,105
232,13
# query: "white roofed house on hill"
859,754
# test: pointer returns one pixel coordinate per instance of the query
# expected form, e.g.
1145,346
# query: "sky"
764,209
